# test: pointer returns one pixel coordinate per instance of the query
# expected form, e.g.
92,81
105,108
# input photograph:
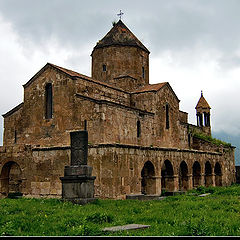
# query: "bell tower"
203,115
121,59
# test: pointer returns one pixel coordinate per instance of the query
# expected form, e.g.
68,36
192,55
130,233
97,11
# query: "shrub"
99,218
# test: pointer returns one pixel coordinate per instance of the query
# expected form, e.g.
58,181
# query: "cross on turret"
120,14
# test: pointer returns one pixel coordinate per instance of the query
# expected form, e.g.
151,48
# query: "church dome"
120,35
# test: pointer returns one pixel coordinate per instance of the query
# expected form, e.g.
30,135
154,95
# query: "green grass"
217,214
211,139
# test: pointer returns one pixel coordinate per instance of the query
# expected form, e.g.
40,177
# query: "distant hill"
234,140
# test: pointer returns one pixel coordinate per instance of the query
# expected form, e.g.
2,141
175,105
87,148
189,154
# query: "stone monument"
78,182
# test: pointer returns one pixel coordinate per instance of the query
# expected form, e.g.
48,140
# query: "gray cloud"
173,25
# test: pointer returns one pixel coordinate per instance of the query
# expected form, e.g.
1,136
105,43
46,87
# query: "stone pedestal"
78,182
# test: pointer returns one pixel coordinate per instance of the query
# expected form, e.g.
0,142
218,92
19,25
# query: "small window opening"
167,116
15,136
138,128
85,125
143,72
104,68
49,102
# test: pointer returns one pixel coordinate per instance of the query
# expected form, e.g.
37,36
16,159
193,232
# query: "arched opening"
148,179
11,179
218,174
167,176
208,174
196,174
183,176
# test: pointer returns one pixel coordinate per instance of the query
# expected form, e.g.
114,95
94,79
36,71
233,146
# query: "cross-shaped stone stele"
120,14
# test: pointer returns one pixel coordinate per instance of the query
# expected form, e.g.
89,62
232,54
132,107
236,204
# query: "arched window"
138,128
49,101
167,116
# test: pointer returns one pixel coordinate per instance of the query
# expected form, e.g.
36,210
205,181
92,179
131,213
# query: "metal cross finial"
120,14
201,92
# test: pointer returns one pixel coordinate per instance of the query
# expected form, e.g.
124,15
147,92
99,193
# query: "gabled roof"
72,74
202,103
155,88
15,109
120,35
151,88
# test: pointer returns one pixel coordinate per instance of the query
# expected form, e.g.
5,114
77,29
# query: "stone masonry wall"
117,167
120,61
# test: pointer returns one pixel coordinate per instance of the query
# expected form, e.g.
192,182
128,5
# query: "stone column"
190,181
202,181
158,185
175,183
78,182
213,179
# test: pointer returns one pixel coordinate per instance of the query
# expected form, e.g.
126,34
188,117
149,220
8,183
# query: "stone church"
139,141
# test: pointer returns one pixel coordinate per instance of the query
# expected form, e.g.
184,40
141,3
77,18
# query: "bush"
99,218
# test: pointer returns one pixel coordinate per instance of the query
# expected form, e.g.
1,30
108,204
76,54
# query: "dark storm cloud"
160,24
169,24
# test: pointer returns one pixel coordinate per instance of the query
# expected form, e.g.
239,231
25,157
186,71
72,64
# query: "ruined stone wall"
120,61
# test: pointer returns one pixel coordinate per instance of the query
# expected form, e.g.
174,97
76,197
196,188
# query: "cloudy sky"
194,45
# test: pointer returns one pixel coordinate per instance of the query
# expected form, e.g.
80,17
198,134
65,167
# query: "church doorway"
218,174
11,178
196,174
208,174
183,176
167,180
148,182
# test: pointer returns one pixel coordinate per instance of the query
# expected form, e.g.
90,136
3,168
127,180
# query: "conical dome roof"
120,35
202,103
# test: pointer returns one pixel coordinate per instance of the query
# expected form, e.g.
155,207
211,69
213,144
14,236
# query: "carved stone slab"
126,227
79,148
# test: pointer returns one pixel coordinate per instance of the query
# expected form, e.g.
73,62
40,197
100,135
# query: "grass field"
217,214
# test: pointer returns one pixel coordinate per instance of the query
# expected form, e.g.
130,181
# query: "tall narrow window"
85,125
138,129
143,72
49,102
15,136
167,116
104,68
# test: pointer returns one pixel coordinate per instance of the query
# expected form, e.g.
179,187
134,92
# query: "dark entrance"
218,174
196,174
208,174
11,178
167,180
148,179
183,176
